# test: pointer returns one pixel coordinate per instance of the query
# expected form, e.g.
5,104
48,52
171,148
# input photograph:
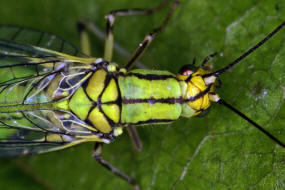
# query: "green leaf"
218,151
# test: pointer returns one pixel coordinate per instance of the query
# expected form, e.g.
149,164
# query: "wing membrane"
38,38
20,142
30,121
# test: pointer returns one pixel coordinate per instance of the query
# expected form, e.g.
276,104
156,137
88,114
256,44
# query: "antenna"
248,52
220,101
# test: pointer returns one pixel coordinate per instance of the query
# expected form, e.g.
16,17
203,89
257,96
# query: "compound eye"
187,70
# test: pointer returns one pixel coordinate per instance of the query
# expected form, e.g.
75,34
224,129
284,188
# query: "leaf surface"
218,151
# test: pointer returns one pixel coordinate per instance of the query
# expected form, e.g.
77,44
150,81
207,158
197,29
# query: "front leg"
97,154
109,39
111,17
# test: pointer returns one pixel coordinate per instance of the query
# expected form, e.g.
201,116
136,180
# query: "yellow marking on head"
181,77
199,83
193,88
200,72
206,102
196,86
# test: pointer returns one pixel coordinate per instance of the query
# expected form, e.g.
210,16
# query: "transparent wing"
24,35
17,142
29,132
32,79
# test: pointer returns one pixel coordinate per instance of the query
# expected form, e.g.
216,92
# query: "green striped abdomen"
149,96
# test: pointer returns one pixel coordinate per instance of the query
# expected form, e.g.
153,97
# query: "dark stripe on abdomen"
149,76
153,101
151,121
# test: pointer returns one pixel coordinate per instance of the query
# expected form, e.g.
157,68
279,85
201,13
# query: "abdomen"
149,97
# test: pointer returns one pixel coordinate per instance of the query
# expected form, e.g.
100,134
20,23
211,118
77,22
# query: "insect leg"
84,38
208,58
109,40
96,31
97,155
194,61
135,137
150,36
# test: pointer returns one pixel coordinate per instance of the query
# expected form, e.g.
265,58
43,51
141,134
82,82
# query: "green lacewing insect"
62,100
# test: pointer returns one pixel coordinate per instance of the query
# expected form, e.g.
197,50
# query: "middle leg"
98,157
150,36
